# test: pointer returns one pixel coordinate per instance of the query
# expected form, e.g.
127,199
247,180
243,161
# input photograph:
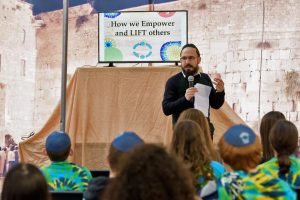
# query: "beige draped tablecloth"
102,102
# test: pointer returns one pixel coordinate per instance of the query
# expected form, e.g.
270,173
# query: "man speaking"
180,91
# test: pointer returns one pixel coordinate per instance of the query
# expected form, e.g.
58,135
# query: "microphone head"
191,78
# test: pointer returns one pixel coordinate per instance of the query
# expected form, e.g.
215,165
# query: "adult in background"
62,175
25,181
240,148
119,149
266,124
11,158
9,140
16,151
178,96
2,161
5,161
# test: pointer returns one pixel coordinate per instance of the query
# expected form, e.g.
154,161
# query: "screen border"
146,11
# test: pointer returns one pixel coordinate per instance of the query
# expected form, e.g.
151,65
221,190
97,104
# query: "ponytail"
284,163
284,139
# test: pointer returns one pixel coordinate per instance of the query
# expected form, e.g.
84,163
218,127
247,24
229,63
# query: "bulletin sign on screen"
141,36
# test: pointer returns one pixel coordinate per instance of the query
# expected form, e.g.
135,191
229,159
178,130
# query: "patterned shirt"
292,177
66,176
217,170
240,185
261,186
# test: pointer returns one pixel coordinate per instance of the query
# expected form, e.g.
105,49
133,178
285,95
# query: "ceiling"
40,6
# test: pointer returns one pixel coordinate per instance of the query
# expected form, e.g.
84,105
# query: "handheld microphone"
191,81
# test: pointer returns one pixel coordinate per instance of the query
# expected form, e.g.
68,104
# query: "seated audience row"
261,169
240,148
148,173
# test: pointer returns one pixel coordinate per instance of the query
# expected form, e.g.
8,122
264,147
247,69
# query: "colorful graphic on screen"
112,53
170,51
142,50
142,36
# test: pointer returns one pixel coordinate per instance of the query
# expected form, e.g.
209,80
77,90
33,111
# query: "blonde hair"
189,144
198,117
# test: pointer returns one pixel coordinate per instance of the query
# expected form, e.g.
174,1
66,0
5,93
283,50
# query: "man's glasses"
185,58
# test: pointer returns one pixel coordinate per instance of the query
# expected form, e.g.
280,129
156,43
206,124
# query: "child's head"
58,146
120,146
240,148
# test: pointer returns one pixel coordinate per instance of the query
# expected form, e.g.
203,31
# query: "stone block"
252,115
243,45
272,65
240,55
265,107
228,78
237,89
245,76
283,106
218,46
287,43
249,54
230,56
275,55
236,107
236,77
292,116
285,54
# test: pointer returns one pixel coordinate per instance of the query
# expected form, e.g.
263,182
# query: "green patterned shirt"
292,177
66,176
240,185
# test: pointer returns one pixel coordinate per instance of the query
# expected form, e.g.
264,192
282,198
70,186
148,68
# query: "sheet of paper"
202,98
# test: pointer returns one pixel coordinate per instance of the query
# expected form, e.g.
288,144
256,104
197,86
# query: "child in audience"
190,145
16,151
240,148
25,181
284,139
150,173
119,149
266,124
198,117
62,175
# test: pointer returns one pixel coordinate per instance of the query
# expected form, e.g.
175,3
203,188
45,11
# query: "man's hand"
190,93
218,82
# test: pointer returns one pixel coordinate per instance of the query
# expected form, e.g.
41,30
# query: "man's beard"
190,70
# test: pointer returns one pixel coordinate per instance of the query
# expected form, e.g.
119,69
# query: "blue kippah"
126,141
57,142
239,135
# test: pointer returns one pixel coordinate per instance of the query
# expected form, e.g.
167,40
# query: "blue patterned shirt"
240,185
